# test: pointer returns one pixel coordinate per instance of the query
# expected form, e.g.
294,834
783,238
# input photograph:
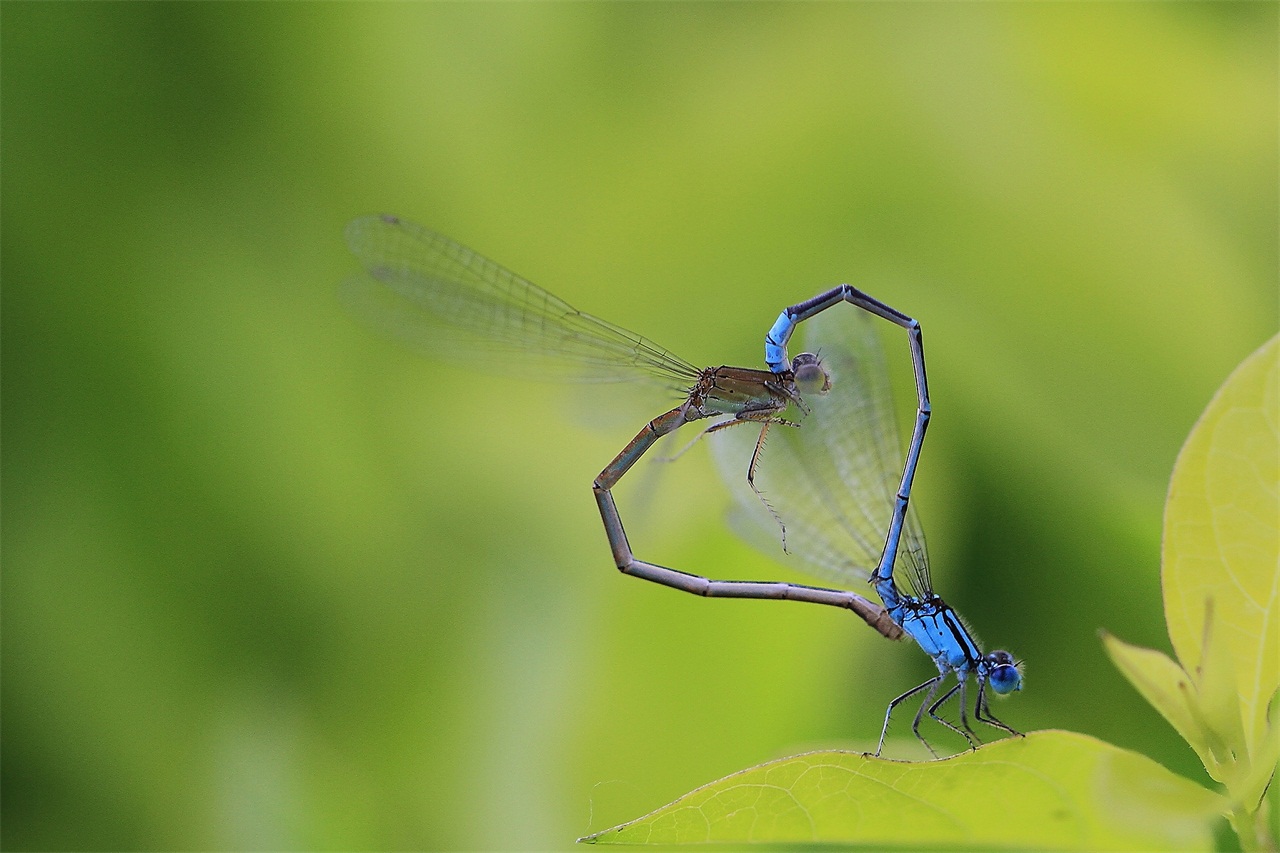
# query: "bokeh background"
272,582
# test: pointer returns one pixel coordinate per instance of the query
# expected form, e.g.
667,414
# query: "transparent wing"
832,479
443,299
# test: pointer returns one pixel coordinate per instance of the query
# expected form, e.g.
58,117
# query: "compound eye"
810,376
1003,674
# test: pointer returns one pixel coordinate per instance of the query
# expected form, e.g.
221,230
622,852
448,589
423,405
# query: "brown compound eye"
810,376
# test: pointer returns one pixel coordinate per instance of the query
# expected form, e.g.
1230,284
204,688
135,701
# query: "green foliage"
1050,790
1222,595
1061,790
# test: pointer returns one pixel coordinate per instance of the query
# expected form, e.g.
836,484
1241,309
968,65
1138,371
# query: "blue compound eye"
1003,675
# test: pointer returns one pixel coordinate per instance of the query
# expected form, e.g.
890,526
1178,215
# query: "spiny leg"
965,733
915,724
982,712
766,418
751,481
964,706
796,397
884,730
716,427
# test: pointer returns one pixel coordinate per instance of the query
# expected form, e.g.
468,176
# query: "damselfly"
435,295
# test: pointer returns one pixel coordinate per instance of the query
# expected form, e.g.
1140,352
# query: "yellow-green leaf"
1167,687
1051,790
1222,538
1249,789
1218,701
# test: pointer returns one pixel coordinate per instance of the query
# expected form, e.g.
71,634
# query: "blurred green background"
271,582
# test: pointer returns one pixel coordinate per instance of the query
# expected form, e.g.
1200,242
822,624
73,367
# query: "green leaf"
1218,703
1222,545
1167,687
1050,790
1251,787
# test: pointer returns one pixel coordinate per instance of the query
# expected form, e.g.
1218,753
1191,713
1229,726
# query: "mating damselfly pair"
838,485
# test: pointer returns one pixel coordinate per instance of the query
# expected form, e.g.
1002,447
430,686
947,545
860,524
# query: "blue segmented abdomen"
775,343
